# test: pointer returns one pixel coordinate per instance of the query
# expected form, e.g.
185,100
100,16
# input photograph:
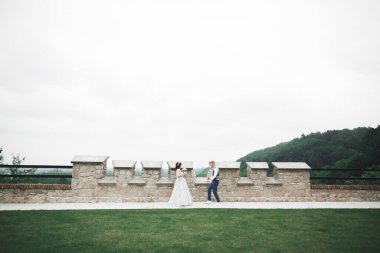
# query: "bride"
181,195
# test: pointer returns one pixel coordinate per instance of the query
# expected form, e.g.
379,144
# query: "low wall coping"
124,164
89,159
245,181
228,165
137,180
272,181
151,164
258,165
201,181
107,181
185,164
291,165
164,181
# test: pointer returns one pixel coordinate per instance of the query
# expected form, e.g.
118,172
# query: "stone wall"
290,182
345,192
35,193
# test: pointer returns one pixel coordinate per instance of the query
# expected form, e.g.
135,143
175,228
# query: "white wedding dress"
181,195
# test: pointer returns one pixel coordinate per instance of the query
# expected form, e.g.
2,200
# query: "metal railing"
345,176
16,175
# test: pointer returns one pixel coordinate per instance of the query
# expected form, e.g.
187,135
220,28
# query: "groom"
214,180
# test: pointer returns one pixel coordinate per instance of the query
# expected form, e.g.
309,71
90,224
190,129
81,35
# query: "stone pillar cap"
89,159
258,165
124,163
151,164
291,165
228,165
185,164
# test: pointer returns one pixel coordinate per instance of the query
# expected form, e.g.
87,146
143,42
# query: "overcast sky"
182,80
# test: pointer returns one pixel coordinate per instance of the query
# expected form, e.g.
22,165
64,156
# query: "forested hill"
357,148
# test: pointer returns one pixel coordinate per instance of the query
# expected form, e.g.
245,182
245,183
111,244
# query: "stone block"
151,165
185,164
291,165
137,180
164,181
107,181
85,193
124,164
257,165
89,159
228,165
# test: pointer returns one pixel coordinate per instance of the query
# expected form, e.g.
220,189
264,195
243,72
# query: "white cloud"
175,80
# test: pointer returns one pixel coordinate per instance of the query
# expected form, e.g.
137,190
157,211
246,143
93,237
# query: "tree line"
358,148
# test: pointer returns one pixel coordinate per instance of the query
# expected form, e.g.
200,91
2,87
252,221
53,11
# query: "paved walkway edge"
196,205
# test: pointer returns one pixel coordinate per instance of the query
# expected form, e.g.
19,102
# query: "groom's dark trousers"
214,188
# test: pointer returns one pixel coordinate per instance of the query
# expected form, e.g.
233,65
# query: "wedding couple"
181,195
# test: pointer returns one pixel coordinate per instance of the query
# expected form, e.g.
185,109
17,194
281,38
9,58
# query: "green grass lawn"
190,230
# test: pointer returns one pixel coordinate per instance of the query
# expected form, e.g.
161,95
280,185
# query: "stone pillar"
229,173
87,171
295,178
123,171
151,171
257,172
151,174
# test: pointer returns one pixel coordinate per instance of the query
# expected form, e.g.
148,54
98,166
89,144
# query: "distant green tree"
337,149
16,160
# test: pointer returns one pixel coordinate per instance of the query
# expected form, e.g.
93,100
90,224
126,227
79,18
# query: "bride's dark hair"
178,165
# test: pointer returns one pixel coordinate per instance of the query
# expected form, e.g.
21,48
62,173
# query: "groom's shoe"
208,202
